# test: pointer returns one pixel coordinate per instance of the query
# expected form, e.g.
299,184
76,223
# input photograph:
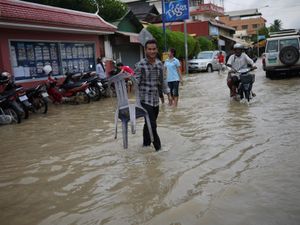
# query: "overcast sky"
288,11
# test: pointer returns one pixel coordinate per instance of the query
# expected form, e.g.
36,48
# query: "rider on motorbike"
238,60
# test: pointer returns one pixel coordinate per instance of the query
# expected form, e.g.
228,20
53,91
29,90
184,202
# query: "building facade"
34,35
246,22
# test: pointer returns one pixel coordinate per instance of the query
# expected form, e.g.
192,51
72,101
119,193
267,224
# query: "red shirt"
128,70
221,58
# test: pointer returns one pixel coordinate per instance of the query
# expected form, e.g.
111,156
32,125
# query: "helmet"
3,78
47,69
238,46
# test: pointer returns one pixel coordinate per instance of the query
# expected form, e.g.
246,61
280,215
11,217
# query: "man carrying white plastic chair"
149,74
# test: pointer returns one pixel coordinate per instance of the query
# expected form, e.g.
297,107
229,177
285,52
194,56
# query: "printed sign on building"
29,57
176,10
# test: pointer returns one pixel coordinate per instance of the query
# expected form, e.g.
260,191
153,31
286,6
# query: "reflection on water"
222,162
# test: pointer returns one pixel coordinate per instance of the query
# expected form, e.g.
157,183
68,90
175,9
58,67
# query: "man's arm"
179,71
250,61
138,72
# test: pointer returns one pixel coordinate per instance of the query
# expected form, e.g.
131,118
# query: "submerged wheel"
26,111
40,105
82,97
209,68
16,117
247,95
95,93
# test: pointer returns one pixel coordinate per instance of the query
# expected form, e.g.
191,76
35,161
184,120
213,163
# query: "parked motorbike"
23,101
69,92
38,97
95,86
10,106
5,118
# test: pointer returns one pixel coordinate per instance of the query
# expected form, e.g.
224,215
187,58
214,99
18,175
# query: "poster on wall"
28,58
80,57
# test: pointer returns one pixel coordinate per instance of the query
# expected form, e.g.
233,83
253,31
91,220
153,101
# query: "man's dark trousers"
153,113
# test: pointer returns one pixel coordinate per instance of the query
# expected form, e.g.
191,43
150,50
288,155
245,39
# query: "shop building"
246,22
34,35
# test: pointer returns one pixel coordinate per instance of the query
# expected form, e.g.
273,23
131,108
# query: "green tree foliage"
206,44
175,40
276,26
109,10
262,31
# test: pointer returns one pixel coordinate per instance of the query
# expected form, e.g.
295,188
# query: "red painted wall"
7,34
200,28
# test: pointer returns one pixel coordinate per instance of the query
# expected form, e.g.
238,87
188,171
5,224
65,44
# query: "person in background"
172,70
149,74
127,70
100,70
220,61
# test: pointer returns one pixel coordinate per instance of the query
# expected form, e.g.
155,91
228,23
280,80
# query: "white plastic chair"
128,111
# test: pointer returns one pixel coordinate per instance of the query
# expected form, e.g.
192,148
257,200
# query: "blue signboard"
176,10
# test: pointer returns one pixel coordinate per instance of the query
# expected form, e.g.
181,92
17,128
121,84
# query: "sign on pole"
176,10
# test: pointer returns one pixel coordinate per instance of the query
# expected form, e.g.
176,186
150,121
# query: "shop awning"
236,40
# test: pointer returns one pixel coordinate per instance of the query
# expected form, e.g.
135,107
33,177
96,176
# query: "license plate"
45,94
23,98
87,91
272,60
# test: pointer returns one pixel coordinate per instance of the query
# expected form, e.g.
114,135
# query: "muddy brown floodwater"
222,163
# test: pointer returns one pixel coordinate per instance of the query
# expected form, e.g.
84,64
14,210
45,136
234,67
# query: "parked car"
282,53
205,61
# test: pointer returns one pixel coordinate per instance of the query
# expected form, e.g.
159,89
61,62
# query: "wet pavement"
222,163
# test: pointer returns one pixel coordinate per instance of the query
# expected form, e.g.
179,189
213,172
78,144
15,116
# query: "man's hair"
152,41
119,64
173,50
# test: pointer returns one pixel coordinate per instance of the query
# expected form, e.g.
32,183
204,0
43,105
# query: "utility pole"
257,34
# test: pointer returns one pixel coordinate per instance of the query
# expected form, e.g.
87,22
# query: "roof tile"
37,14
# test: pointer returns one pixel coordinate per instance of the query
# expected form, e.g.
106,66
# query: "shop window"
244,27
29,58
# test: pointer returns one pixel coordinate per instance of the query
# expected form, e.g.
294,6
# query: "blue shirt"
171,66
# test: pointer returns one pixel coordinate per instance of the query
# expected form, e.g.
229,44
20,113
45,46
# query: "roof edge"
52,28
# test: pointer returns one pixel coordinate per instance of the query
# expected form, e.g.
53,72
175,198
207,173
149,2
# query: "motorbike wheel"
16,117
209,68
247,95
82,97
26,111
95,93
40,105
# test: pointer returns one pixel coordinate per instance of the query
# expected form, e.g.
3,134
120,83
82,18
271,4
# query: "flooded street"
222,162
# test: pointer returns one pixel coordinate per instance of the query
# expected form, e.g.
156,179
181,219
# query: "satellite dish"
144,36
